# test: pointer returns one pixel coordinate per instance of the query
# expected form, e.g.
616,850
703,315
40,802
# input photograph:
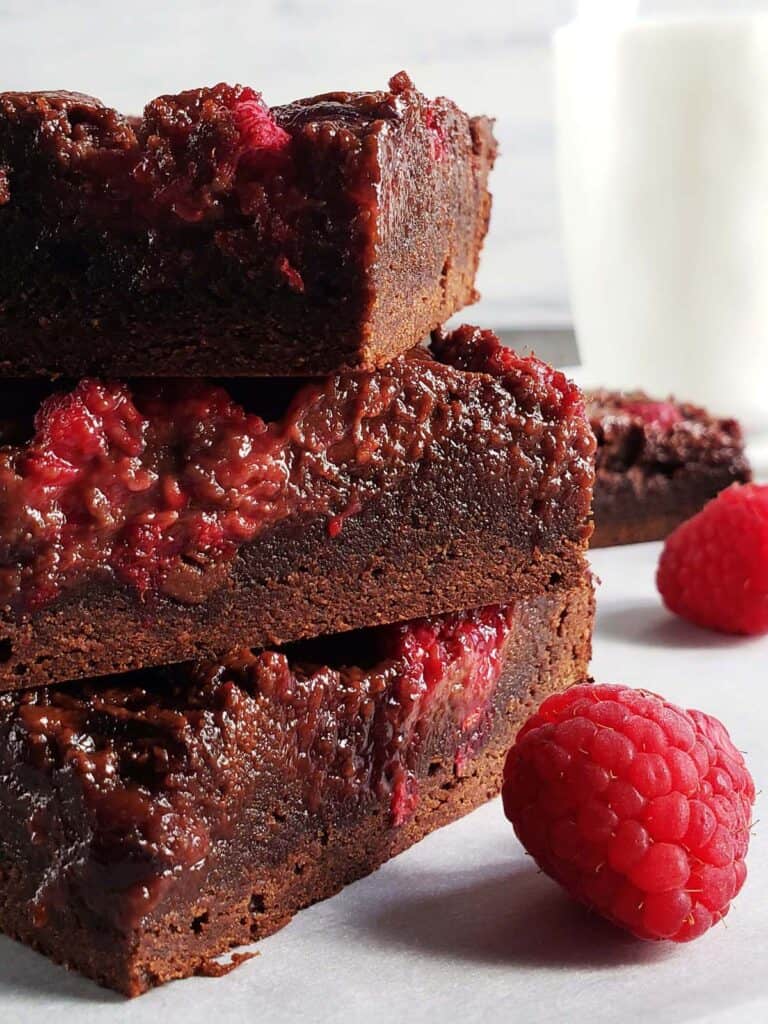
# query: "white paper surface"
462,927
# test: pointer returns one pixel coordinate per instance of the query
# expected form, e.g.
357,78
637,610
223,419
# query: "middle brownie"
155,522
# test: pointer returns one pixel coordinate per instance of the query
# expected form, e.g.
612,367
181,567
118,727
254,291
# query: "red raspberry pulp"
256,125
663,415
639,808
454,661
159,484
135,485
437,134
207,154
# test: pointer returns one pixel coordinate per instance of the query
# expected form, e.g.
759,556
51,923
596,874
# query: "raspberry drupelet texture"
640,809
713,570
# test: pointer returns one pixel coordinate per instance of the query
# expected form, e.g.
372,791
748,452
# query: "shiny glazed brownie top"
216,155
157,485
655,435
122,785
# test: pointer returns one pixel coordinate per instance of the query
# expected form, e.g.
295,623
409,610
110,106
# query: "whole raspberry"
640,809
713,570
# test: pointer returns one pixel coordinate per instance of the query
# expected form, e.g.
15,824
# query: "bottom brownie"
151,822
658,464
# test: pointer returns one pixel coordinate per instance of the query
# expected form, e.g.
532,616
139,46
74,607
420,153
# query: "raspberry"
713,570
256,125
437,140
136,484
640,809
663,415
201,147
436,652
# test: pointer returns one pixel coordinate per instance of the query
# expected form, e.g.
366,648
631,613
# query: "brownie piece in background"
158,522
217,237
149,823
658,463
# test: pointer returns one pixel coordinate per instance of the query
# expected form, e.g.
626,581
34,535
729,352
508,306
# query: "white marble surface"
462,928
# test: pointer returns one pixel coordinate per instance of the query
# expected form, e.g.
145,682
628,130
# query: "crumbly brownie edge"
319,869
183,940
636,507
104,631
440,263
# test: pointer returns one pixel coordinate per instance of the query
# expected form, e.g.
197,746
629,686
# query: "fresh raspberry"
713,570
640,809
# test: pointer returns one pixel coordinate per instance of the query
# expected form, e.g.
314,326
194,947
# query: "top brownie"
215,236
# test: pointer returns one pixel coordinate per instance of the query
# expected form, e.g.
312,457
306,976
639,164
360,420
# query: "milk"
662,129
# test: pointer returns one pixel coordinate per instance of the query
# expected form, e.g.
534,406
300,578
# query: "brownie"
151,822
215,236
158,522
658,463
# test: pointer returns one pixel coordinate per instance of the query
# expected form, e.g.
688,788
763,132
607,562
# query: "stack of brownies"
278,585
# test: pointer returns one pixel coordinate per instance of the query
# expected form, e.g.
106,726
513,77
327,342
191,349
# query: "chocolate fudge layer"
215,236
658,464
150,822
159,522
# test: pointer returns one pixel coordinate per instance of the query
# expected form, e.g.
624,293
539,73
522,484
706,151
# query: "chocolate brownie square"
658,463
216,237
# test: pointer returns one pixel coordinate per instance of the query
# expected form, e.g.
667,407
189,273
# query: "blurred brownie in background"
658,463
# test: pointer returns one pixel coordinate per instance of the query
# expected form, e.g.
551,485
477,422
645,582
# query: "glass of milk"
662,132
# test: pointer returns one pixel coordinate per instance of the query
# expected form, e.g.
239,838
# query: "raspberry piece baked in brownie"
215,236
149,823
161,521
658,463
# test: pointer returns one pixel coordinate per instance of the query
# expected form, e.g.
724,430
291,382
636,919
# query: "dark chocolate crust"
653,475
210,829
167,247
492,501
